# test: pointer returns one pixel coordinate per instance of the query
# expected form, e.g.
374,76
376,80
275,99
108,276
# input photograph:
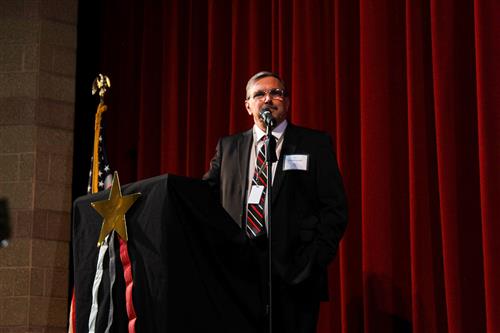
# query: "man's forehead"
267,82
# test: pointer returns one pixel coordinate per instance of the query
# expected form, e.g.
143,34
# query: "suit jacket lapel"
289,146
244,146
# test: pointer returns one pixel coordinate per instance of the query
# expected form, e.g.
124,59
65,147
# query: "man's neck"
277,131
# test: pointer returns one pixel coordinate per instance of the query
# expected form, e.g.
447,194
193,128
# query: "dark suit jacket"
309,213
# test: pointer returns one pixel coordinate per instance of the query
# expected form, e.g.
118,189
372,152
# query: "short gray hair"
259,76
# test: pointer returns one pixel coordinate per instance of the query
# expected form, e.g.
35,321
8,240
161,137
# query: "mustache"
269,106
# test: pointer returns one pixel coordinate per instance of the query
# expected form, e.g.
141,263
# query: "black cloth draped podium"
190,262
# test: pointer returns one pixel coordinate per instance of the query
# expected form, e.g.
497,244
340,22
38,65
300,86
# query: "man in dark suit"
308,205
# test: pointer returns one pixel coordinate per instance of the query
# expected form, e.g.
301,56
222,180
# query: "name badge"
255,194
296,162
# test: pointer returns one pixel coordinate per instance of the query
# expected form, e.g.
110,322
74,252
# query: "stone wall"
37,83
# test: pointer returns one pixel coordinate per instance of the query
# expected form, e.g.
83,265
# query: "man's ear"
247,106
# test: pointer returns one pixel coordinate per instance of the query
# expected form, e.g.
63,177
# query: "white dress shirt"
257,143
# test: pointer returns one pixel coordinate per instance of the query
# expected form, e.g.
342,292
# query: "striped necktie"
255,211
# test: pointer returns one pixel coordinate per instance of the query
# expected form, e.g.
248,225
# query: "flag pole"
101,84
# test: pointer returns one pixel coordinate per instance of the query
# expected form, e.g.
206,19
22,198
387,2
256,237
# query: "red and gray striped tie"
255,212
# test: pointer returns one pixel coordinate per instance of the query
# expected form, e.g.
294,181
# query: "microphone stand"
270,158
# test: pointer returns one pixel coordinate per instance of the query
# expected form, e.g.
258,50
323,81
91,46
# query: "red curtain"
409,91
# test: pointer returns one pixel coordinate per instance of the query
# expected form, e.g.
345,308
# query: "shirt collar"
277,131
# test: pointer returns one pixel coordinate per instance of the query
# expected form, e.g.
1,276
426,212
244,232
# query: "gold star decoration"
113,211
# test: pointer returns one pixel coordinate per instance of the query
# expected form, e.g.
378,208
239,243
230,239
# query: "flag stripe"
129,285
72,314
94,309
112,278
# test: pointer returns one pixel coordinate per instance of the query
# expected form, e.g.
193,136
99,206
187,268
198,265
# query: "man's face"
262,94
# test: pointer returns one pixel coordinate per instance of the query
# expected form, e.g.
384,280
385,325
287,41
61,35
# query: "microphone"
267,117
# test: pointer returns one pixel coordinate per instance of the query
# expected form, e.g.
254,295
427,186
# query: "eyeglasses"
275,93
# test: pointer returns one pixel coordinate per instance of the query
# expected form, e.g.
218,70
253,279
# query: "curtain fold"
487,67
428,297
384,167
453,53
410,93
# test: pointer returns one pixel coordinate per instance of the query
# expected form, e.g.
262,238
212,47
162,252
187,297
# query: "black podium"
190,262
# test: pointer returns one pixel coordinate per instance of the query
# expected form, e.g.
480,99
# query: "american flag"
105,176
104,181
